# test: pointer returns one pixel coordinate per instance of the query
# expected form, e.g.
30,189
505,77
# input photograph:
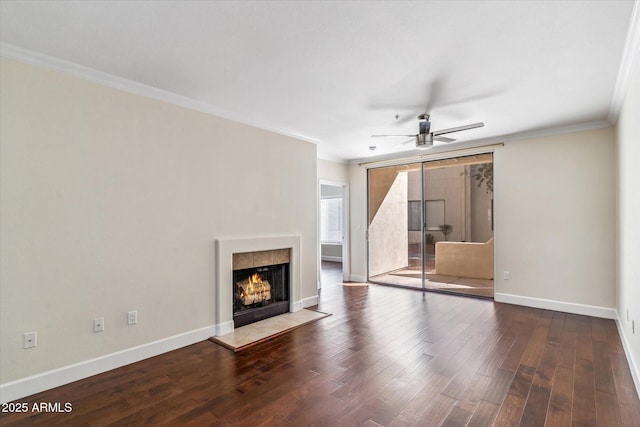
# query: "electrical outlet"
506,275
98,324
30,340
132,317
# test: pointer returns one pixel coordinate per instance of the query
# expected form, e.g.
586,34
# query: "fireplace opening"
260,293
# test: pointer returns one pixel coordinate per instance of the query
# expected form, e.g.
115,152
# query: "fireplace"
238,253
260,285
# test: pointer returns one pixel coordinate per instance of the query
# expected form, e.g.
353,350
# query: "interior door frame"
346,266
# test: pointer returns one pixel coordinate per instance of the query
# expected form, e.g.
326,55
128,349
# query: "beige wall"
112,202
628,204
554,200
333,171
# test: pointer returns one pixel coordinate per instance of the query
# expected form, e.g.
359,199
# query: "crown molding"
479,143
630,55
330,158
95,76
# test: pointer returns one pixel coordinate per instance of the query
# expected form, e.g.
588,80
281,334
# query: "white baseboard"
295,306
304,303
357,279
331,258
47,380
310,302
565,307
635,369
224,328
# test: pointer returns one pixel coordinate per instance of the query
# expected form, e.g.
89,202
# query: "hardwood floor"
387,356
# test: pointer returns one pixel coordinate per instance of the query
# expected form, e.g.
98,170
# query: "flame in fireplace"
254,290
255,280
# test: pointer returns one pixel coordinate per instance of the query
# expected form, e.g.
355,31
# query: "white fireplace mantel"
225,248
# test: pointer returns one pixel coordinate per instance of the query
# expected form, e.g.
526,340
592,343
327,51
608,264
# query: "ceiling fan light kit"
424,138
424,141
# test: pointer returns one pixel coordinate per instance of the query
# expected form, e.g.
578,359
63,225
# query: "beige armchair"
465,259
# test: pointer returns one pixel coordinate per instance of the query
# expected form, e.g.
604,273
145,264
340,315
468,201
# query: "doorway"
430,225
333,236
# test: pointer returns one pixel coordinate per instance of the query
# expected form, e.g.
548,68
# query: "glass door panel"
458,250
395,225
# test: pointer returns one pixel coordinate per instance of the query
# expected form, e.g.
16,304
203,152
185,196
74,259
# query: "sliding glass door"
431,225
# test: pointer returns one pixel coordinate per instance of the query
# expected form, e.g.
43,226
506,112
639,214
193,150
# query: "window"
331,220
414,215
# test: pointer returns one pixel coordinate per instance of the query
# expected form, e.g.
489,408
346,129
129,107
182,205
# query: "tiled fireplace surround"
226,248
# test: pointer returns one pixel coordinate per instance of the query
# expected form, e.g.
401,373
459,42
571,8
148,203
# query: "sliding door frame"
423,160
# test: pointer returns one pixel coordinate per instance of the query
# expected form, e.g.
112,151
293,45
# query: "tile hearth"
254,333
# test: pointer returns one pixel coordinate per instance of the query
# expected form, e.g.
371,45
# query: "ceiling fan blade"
458,129
405,118
443,139
434,91
385,136
402,144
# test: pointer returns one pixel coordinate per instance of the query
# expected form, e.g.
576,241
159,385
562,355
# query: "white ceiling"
336,72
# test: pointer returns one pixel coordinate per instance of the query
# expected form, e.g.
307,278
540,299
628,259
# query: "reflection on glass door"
431,225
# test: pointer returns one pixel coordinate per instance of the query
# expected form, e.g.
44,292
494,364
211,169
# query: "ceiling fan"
424,139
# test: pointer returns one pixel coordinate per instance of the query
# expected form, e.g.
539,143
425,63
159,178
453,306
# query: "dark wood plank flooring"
387,356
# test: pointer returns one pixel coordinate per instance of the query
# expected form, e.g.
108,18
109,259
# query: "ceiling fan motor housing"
424,140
